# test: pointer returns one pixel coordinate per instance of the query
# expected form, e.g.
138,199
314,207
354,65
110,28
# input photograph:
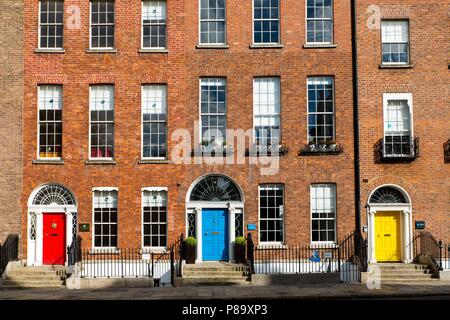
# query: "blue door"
215,234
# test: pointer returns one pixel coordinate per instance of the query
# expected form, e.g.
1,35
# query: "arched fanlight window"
215,188
54,195
388,195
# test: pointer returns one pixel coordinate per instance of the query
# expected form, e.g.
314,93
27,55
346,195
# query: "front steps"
215,274
35,277
401,273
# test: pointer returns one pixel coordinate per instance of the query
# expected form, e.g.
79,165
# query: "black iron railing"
347,257
396,149
126,262
268,150
447,151
9,251
321,149
424,244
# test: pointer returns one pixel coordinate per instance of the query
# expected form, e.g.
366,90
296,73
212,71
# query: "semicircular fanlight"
215,188
54,195
388,195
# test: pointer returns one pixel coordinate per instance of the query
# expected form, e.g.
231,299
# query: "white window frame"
104,189
332,25
154,189
272,243
408,42
114,123
90,28
307,105
142,26
311,212
278,82
200,28
142,122
39,121
253,27
398,96
200,105
39,29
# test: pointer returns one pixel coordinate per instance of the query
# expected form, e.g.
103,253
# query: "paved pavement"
323,291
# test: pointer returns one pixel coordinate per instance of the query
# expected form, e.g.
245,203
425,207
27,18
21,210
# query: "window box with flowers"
262,150
326,148
212,150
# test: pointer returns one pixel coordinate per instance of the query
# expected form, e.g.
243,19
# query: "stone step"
213,273
216,269
409,280
18,277
410,272
33,284
399,266
214,281
404,276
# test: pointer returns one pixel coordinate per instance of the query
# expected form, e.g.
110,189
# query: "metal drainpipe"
356,118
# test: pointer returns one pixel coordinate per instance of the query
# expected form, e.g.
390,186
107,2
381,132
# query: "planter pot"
239,253
191,253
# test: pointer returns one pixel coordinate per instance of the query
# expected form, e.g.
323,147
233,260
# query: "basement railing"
9,251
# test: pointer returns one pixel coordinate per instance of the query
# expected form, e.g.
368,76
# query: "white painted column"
231,233
39,238
69,231
371,237
199,234
31,244
407,237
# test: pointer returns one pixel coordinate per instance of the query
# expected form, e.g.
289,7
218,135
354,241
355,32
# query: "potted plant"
191,249
239,249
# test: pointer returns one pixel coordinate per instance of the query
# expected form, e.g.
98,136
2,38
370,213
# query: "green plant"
190,241
240,241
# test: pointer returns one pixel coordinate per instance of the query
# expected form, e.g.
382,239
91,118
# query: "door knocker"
54,225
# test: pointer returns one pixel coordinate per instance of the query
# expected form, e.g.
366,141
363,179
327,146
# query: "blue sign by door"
215,234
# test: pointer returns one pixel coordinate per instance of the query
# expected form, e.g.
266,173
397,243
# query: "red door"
54,241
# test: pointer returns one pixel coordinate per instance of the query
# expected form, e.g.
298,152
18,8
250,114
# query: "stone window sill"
49,50
268,246
94,251
395,66
153,161
101,51
212,46
266,46
319,46
100,162
48,161
148,50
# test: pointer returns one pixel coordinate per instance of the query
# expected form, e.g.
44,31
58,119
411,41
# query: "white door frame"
197,206
35,246
405,211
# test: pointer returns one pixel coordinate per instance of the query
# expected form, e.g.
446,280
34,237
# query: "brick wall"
427,179
11,98
180,69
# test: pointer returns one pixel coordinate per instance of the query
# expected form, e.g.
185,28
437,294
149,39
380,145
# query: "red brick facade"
426,179
181,69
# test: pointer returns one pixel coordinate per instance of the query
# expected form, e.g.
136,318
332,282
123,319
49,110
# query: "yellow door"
387,237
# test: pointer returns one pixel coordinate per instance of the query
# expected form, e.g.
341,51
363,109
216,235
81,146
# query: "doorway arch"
389,220
51,206
214,198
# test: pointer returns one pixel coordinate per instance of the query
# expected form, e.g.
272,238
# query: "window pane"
102,24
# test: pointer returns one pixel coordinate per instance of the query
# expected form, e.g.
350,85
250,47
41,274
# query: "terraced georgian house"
293,122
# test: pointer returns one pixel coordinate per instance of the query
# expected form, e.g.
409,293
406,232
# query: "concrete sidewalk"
330,291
